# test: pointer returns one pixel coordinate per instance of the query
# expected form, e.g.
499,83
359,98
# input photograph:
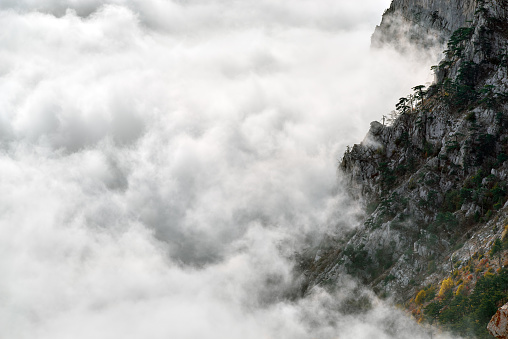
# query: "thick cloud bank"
161,160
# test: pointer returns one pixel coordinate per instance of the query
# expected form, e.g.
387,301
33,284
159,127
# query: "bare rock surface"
429,178
423,22
498,325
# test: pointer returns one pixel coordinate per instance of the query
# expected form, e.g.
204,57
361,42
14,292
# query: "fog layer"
160,161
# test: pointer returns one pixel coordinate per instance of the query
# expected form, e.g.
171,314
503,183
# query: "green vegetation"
496,250
387,176
463,313
419,92
444,220
504,238
360,263
486,191
358,259
455,46
402,106
469,297
486,147
461,93
420,166
452,201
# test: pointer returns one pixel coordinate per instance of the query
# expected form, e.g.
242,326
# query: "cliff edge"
422,23
434,182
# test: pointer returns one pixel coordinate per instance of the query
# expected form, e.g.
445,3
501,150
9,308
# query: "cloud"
160,161
198,15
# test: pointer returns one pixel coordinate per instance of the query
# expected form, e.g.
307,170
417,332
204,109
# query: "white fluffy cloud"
159,160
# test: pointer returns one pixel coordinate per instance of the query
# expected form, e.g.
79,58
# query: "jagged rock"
375,128
498,325
422,22
425,178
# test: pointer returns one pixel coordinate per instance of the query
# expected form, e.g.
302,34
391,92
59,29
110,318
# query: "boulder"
376,128
498,325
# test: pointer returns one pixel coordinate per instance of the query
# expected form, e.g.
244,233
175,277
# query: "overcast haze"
160,161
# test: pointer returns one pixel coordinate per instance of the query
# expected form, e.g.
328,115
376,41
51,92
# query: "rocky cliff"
422,23
435,181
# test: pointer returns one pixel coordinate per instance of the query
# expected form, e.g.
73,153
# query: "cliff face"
422,22
435,181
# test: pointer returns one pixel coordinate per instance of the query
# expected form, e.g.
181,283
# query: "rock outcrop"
498,326
435,181
422,22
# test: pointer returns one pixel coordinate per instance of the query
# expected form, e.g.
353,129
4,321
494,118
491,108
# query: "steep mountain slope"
435,181
422,22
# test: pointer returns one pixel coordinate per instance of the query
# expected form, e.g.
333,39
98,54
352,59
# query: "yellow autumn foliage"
446,286
420,297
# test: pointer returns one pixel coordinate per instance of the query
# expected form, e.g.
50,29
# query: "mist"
161,162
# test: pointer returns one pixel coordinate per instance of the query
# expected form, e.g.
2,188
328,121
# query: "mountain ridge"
434,183
422,23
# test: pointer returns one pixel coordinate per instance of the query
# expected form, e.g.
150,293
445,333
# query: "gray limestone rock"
422,22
